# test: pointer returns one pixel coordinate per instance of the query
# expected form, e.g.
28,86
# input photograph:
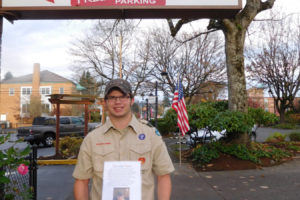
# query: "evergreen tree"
90,84
7,76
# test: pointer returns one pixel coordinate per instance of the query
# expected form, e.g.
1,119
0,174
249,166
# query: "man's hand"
81,189
164,187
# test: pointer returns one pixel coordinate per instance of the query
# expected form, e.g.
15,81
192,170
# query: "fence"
18,185
21,186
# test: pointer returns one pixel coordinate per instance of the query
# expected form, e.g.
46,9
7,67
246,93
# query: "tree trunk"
282,116
243,138
234,50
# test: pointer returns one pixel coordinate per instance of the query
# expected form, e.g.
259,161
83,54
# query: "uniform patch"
157,132
142,160
142,136
103,143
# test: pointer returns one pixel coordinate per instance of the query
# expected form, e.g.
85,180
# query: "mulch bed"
227,162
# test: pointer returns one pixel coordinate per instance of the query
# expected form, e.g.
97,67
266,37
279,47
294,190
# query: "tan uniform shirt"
137,142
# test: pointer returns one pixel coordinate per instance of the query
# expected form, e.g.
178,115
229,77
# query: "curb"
57,162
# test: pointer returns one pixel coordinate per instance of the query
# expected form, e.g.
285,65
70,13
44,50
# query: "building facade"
18,93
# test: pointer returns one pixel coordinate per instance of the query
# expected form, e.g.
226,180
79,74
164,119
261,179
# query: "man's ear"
132,101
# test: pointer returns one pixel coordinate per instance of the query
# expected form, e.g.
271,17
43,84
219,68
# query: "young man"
122,138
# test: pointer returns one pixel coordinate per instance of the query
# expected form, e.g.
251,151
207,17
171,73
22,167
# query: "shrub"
292,118
95,117
204,154
69,146
276,137
234,122
294,136
163,127
285,126
170,120
262,117
201,115
240,151
11,158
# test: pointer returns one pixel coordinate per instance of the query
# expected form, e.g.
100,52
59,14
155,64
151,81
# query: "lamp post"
156,104
271,95
147,108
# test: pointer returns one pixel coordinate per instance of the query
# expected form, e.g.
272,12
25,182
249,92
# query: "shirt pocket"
142,153
102,154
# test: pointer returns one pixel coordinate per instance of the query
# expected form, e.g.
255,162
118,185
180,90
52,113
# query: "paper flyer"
122,180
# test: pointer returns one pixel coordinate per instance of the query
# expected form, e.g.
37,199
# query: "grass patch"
286,126
294,136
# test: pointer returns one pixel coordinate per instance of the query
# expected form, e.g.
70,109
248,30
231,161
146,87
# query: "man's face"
118,105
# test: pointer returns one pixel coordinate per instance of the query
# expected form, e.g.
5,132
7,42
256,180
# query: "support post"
33,171
57,128
1,33
86,118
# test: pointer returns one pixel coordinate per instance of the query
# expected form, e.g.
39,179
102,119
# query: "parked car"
204,135
43,129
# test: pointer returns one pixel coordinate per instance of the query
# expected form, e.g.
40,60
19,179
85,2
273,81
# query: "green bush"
163,127
293,147
234,122
201,115
95,117
11,158
262,117
292,118
294,136
285,126
205,154
276,137
240,151
69,146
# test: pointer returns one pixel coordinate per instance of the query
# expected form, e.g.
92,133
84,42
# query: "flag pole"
179,131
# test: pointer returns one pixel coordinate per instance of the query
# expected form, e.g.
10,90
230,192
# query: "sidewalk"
279,182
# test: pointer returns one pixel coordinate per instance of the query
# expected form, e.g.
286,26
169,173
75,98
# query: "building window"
61,90
25,108
266,104
46,108
11,91
45,90
26,91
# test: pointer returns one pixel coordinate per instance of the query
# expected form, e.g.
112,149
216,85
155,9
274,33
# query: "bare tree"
276,63
108,52
234,30
195,62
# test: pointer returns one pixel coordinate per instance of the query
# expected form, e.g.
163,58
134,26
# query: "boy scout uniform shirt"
137,142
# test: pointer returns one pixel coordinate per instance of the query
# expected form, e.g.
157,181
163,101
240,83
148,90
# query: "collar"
134,124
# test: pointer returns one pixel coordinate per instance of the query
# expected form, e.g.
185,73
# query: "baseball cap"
121,84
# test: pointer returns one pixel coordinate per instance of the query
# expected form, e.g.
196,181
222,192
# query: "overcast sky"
47,42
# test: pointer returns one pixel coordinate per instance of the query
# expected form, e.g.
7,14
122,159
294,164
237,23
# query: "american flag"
179,105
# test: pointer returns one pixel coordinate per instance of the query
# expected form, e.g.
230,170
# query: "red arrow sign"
52,1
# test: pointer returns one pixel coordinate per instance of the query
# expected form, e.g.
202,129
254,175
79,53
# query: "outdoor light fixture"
164,74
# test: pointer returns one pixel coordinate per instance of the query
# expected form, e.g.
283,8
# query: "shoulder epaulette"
145,122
